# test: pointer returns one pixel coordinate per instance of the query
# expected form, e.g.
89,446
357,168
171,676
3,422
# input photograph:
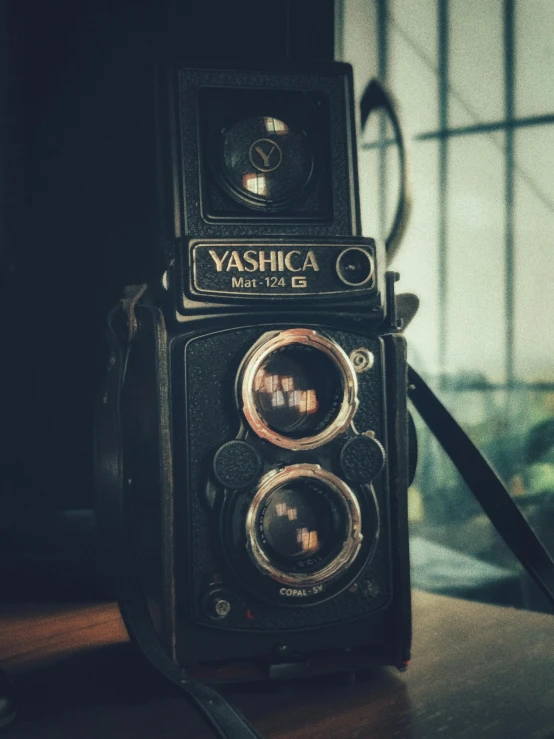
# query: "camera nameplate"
267,269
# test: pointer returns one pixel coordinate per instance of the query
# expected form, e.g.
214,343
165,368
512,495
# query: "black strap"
227,722
376,97
484,483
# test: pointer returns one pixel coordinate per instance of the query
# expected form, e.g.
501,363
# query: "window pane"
418,23
514,426
476,326
417,258
459,114
454,548
377,193
533,415
371,132
412,69
534,57
476,60
393,184
359,44
368,173
534,246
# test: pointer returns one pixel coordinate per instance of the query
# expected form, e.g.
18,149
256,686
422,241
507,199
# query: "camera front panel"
297,502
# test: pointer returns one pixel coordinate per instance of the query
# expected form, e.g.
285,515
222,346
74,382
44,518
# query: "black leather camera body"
252,438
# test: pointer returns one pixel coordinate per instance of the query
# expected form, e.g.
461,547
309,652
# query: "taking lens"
300,520
299,389
303,525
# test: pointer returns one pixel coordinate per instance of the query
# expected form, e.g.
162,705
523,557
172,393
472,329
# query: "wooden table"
477,671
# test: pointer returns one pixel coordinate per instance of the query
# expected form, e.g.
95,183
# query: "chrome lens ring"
350,508
307,337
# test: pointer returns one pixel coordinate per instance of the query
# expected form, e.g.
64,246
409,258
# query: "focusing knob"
362,458
237,465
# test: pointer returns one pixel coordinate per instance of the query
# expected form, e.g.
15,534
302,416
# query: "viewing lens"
299,520
298,390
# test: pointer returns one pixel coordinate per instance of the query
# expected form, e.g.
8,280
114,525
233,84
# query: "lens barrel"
298,389
303,526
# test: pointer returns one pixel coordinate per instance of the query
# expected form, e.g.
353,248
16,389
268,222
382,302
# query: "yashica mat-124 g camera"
253,430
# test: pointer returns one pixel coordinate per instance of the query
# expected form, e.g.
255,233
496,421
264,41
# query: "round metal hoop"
253,362
352,541
371,263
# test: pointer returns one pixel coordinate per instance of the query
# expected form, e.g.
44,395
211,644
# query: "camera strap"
484,483
227,721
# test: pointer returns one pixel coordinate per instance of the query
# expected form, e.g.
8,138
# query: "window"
474,82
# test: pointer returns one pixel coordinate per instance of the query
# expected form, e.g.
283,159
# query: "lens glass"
301,521
265,160
298,391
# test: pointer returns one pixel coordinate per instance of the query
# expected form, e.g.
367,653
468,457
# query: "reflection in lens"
298,521
298,390
256,183
303,526
266,145
274,125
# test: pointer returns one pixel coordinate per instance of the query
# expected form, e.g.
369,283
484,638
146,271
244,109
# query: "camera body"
261,403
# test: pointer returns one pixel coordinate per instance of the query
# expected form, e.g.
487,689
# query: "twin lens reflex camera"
258,394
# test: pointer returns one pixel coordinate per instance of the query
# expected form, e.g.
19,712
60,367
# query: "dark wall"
77,216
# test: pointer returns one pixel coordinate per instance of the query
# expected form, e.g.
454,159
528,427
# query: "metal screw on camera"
362,360
222,607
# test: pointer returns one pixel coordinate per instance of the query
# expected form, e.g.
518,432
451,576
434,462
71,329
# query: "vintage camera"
252,437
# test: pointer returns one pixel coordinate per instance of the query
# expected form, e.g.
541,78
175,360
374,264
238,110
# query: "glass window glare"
474,83
475,60
476,320
534,57
534,264
418,256
412,64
